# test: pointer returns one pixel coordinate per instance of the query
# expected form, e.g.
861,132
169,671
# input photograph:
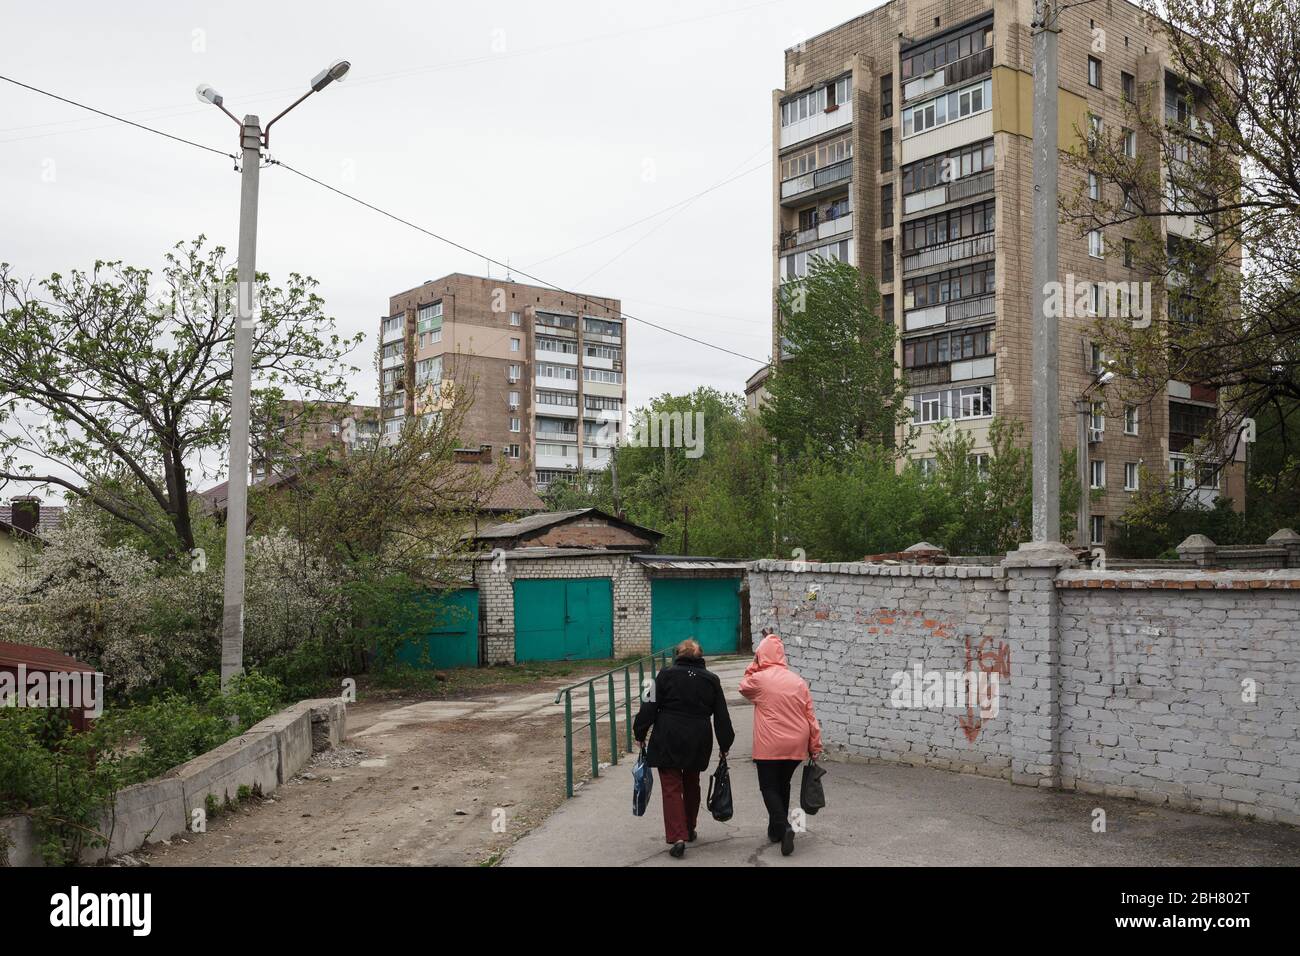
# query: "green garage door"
707,609
445,630
564,619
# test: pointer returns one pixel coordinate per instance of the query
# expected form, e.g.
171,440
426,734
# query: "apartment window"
547,344
393,325
1094,186
600,403
1096,246
980,462
943,227
886,205
972,402
394,350
514,345
1097,474
1098,529
1128,253
1130,144
947,108
429,317
602,327
887,308
1097,417
511,451
1094,72
602,375
887,261
1130,476
887,96
1130,420
512,373
612,352
947,167
962,283
512,399
886,150
1096,358
945,347
514,318
1128,86
925,58
795,265
928,466
1095,130
428,370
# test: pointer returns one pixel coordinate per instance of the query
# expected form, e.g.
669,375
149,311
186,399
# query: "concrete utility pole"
232,611
1046,434
251,140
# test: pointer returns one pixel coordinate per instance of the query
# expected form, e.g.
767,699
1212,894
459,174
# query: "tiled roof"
51,517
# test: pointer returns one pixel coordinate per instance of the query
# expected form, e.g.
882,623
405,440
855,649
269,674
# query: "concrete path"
894,815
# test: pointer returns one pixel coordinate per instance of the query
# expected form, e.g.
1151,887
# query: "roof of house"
550,519
39,658
511,494
214,498
51,517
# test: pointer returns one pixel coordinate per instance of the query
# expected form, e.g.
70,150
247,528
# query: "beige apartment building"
902,144
302,429
544,371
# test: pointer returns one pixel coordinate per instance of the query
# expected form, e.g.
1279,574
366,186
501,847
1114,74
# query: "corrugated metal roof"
39,658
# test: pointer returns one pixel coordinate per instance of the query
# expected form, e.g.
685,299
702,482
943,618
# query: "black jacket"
685,697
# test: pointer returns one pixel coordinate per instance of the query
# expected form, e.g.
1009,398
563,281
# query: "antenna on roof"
508,276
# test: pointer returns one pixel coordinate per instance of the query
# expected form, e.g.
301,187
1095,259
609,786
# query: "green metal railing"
654,662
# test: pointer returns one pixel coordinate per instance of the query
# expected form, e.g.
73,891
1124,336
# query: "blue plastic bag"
643,784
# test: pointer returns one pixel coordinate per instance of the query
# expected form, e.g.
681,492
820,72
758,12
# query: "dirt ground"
418,782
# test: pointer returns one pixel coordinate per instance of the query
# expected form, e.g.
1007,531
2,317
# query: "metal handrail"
654,660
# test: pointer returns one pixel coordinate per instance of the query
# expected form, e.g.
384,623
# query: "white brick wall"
1124,683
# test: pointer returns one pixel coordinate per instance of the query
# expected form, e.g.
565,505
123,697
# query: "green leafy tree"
839,387
115,383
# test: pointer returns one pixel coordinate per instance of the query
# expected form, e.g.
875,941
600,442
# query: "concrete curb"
262,758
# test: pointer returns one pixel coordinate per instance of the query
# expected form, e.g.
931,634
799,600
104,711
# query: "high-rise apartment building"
543,371
902,144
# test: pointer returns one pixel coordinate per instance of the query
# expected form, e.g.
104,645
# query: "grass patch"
461,681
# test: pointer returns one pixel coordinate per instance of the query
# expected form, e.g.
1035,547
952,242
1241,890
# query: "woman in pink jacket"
785,732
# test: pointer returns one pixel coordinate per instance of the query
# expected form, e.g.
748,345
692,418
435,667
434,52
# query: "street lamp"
1083,405
252,140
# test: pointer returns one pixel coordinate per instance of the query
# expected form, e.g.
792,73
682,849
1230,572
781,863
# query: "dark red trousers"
681,794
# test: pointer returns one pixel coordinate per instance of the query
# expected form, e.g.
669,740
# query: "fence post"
613,723
591,722
627,706
568,743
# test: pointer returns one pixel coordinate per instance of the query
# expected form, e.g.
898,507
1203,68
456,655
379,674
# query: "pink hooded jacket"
785,727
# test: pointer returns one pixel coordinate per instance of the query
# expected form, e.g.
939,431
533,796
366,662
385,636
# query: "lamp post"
252,139
1083,406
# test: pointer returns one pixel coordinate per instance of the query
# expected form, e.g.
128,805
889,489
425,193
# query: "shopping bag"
643,784
811,795
719,799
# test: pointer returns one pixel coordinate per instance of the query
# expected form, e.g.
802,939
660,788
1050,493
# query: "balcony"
958,71
826,229
809,184
562,411
954,251
392,361
960,311
943,194
1189,122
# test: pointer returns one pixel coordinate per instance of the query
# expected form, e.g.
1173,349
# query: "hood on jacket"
770,652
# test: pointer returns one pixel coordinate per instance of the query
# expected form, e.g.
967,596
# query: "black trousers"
774,783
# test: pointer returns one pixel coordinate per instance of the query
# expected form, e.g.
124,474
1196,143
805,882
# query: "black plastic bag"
811,795
719,799
643,784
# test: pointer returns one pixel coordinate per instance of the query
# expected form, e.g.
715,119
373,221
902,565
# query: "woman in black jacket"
678,707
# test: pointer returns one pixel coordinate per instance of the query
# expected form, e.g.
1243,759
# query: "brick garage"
1130,684
631,584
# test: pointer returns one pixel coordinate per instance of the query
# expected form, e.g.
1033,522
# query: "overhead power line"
120,119
395,218
498,262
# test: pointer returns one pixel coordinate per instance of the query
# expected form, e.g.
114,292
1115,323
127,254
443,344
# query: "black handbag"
811,795
719,799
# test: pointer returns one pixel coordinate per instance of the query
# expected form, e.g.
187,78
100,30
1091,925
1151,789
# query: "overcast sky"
521,129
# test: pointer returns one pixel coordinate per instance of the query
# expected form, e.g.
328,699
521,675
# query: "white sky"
521,129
